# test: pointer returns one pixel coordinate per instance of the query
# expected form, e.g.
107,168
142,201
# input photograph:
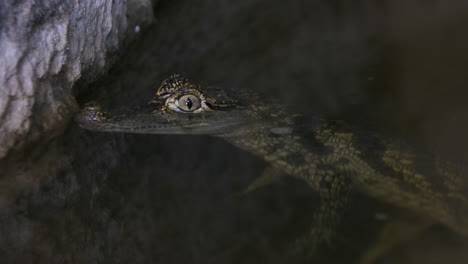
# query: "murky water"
396,67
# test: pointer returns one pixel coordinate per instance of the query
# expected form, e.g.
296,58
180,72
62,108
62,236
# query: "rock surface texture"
45,47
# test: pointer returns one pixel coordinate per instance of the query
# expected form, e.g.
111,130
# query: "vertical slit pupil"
188,103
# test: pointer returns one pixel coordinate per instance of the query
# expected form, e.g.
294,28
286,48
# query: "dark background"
397,67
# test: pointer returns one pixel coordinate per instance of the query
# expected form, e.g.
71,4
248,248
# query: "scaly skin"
330,157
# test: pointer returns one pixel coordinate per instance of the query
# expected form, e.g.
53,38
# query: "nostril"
91,112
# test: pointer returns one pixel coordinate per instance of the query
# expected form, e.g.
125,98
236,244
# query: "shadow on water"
175,199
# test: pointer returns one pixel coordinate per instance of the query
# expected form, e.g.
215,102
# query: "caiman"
330,156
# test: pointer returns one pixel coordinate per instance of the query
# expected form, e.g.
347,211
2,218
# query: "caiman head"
180,107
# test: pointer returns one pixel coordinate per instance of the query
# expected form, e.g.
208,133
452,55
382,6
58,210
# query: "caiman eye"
188,103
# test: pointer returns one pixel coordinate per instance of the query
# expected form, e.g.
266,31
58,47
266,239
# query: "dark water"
395,66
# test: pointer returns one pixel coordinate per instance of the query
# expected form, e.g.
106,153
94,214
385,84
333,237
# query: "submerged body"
330,157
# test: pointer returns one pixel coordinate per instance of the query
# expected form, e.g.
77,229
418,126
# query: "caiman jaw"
179,107
151,120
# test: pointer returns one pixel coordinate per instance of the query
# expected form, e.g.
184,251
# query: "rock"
45,48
